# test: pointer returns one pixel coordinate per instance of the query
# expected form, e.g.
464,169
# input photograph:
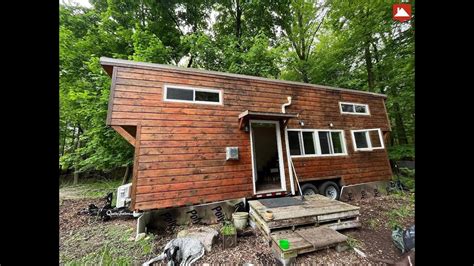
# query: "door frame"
280,156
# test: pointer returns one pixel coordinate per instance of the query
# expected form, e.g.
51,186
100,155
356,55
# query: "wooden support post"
125,134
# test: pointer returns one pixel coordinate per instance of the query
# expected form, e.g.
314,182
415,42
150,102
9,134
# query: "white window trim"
194,89
367,136
280,157
317,144
354,104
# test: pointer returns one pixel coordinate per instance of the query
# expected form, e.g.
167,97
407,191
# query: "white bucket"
240,220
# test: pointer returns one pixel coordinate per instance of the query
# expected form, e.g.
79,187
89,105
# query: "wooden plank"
337,216
191,191
313,205
135,168
192,164
297,243
111,97
193,185
125,134
259,221
188,201
144,181
195,171
321,237
353,223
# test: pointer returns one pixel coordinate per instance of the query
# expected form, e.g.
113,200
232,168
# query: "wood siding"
180,147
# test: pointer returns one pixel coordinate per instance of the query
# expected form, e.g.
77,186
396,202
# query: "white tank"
123,195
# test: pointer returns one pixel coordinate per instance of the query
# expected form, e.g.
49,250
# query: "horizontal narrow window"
314,142
354,108
196,95
367,139
179,94
207,96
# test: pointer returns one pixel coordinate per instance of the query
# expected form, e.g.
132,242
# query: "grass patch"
373,223
352,242
89,189
396,216
108,244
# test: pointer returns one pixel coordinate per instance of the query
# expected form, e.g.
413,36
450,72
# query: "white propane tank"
123,195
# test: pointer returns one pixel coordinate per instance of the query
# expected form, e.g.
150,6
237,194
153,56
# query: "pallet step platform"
309,226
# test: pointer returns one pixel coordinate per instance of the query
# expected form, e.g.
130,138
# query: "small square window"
369,139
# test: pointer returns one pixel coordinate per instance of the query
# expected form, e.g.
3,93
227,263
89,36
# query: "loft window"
367,139
195,95
354,108
315,142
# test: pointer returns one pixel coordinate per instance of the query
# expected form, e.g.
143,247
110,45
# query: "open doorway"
266,153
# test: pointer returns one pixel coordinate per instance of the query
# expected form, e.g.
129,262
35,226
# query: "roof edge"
106,61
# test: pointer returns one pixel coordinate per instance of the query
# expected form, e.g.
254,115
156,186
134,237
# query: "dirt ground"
85,239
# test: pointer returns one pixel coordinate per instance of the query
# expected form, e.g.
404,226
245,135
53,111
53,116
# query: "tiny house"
204,136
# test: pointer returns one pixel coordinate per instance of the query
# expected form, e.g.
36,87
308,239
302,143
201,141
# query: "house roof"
108,63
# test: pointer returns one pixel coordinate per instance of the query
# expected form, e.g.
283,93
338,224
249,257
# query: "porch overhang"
245,116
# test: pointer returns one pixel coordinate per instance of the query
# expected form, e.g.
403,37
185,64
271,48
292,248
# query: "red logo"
401,12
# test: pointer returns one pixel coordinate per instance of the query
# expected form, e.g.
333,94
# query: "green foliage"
148,47
228,229
401,152
110,245
395,216
405,210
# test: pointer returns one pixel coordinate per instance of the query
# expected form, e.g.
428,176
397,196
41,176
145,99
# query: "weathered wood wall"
180,147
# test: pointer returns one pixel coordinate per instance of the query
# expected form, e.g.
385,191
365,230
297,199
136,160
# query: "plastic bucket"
284,244
240,219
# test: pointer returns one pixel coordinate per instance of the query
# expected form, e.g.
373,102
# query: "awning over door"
245,116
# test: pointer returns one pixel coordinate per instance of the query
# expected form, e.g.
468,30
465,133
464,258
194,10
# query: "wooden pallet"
317,210
304,240
308,227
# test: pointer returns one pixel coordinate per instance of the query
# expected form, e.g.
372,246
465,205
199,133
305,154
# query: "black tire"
309,189
330,189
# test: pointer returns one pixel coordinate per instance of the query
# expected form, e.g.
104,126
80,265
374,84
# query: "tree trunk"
369,66
63,144
78,145
126,176
238,23
304,74
400,126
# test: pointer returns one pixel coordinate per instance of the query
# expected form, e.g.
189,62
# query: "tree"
301,20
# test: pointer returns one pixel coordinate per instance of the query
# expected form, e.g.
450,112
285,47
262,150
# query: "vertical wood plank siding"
180,147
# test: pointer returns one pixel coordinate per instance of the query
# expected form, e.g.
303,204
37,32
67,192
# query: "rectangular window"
294,141
316,142
354,108
195,95
367,139
324,142
308,142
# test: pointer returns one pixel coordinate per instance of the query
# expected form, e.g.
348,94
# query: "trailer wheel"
330,190
309,189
